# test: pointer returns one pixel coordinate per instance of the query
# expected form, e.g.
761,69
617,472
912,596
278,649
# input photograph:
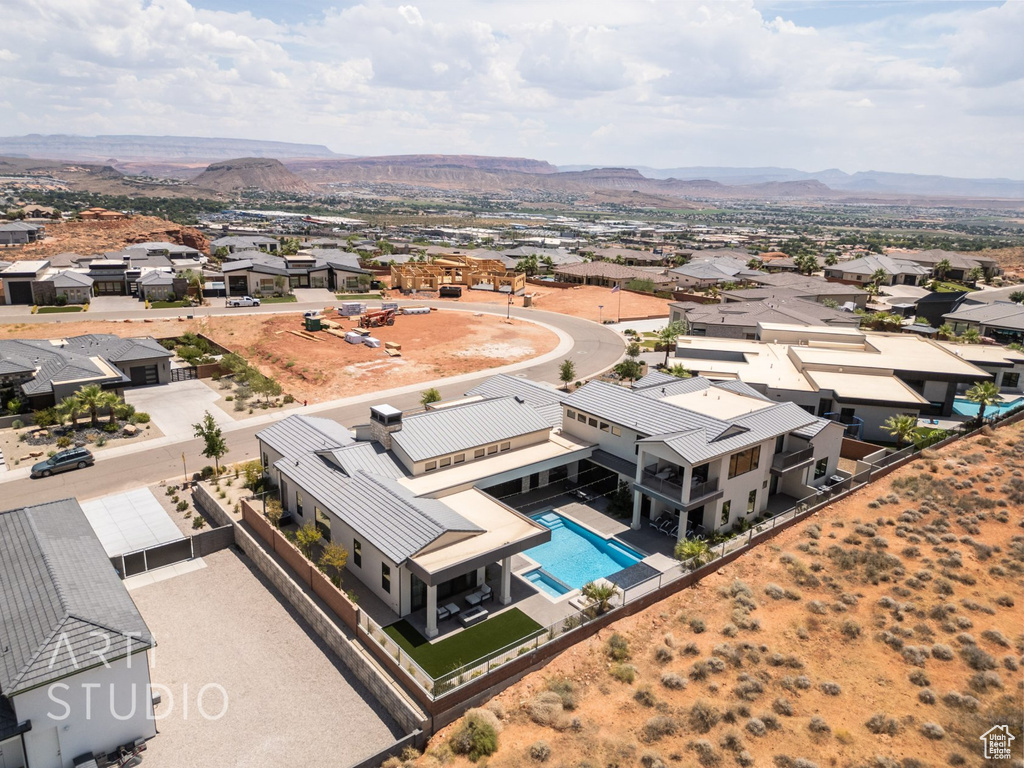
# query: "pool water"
965,407
575,556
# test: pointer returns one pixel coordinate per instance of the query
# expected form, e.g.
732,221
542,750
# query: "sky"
890,85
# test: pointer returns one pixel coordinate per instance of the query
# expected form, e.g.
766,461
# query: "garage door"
20,293
143,374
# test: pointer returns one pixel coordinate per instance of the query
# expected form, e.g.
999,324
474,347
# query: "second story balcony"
790,460
668,486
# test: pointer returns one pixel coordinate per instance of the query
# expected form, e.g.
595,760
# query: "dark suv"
74,458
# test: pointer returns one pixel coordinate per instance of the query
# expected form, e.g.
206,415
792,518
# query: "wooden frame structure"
456,269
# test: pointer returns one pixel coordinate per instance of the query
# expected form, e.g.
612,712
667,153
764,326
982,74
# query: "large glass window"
357,553
751,501
744,461
385,577
820,468
1011,380
726,508
298,503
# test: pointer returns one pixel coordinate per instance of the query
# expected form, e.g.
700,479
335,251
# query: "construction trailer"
456,269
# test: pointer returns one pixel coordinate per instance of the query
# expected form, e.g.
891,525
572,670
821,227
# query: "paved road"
594,350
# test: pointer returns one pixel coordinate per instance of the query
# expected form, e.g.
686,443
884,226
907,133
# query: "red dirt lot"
581,301
443,343
883,631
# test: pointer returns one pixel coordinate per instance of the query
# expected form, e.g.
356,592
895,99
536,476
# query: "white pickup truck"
243,301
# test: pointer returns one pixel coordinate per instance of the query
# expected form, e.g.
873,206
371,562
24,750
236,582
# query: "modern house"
705,271
21,233
960,264
1000,320
845,374
18,278
419,500
634,258
609,274
862,271
784,285
237,243
260,274
48,371
74,672
743,320
1005,365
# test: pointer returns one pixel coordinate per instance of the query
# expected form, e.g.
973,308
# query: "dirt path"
582,301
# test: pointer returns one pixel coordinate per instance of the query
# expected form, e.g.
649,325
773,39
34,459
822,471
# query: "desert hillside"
249,173
884,631
91,237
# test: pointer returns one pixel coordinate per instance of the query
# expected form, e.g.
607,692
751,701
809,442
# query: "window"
744,461
604,427
616,431
385,577
820,468
460,458
430,466
266,464
570,413
505,446
446,461
357,553
1011,380
492,449
726,508
323,523
298,504
478,453
751,501
591,422
581,418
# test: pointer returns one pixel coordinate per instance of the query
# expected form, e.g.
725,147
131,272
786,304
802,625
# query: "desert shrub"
926,696
566,690
933,731
673,681
663,654
703,716
1004,600
942,652
961,701
546,709
706,754
745,759
651,760
817,607
624,673
916,654
918,677
782,706
617,648
700,670
730,630
756,727
803,682
732,741
771,722
749,688
691,649
658,727
977,659
774,591
697,625
830,689
540,751
1010,663
880,723
477,735
818,725
182,506
850,629
644,697
983,681
995,636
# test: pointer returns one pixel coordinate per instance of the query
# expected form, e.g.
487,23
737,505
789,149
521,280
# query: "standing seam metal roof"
299,435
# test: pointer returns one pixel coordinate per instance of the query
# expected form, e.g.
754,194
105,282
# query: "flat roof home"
857,378
18,277
861,271
20,233
1004,364
235,243
74,669
607,274
1000,320
260,274
742,320
419,500
47,371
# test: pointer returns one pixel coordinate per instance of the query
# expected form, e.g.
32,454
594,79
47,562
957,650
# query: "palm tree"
696,551
831,259
878,277
941,268
754,263
679,371
68,410
602,594
806,263
946,332
93,399
902,427
984,393
971,336
667,336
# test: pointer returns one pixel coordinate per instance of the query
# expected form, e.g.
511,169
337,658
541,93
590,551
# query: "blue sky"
925,87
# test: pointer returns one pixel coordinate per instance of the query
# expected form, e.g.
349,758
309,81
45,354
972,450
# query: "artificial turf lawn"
52,310
465,646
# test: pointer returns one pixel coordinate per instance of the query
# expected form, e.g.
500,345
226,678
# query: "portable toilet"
371,341
313,324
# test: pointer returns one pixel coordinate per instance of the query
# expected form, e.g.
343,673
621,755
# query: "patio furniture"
474,598
486,593
452,608
665,474
442,613
667,524
473,616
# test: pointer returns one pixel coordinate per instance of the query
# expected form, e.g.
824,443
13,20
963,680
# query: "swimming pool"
965,407
575,556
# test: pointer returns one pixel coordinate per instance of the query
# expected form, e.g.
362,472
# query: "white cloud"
658,82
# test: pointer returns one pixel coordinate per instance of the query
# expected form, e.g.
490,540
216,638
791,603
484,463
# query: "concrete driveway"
113,304
318,295
175,407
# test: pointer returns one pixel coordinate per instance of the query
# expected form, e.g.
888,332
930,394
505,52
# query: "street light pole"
508,313
600,314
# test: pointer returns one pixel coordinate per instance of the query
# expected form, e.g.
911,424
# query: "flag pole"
618,312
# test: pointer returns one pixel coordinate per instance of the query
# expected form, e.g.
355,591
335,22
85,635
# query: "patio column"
637,499
506,581
481,575
431,610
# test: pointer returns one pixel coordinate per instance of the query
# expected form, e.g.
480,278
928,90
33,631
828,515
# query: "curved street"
592,347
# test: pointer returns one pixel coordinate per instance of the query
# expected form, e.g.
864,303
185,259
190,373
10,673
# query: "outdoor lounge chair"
674,533
442,613
667,525
486,593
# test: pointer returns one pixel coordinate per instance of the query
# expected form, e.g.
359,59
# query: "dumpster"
313,323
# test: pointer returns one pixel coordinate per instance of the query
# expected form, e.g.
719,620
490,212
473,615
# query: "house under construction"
456,269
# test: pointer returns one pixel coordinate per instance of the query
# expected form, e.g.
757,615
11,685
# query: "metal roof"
62,602
461,427
545,400
71,279
366,456
299,435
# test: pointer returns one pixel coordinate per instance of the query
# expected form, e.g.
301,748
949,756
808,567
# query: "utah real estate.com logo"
997,741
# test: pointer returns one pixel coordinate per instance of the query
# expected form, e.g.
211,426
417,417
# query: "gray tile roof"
70,279
8,721
61,599
999,314
654,379
867,265
771,310
461,427
377,508
299,435
156,277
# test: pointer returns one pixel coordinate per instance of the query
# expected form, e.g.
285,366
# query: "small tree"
274,512
696,551
306,538
941,268
667,336
215,446
567,373
629,369
984,393
429,396
602,594
971,336
253,474
946,332
93,399
902,427
333,558
974,274
633,350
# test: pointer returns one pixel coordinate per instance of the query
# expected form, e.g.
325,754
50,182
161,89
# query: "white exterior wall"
419,467
622,445
738,488
874,417
935,391
92,724
11,753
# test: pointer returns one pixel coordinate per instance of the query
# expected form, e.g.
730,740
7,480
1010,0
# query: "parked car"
244,301
73,458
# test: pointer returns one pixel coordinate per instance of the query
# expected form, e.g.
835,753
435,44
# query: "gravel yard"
289,700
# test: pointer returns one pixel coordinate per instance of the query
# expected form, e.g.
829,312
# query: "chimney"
384,420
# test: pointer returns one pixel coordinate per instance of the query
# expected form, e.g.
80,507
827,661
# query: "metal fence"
450,682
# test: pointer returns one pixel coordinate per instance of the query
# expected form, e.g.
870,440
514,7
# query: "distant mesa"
249,173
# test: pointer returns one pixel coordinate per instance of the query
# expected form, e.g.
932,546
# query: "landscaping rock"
130,430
